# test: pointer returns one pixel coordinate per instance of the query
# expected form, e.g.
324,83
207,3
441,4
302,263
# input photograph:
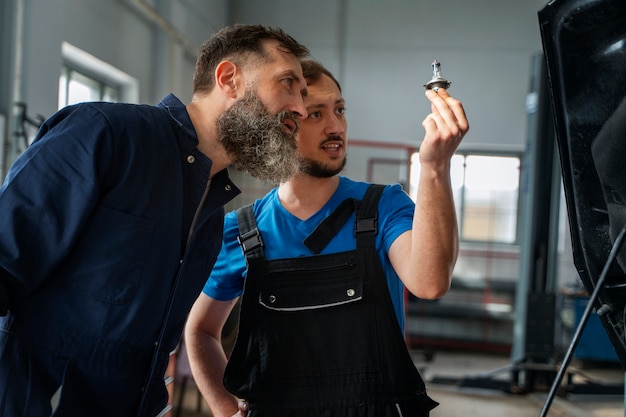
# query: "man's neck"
304,195
204,123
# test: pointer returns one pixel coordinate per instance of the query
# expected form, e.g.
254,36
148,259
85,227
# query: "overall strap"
249,237
328,228
366,220
366,225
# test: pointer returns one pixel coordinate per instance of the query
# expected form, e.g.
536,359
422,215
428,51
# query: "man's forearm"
435,234
208,361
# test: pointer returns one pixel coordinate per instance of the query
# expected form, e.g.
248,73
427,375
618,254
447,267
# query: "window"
75,87
486,195
86,78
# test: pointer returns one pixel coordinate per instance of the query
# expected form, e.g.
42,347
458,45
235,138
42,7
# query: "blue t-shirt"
283,234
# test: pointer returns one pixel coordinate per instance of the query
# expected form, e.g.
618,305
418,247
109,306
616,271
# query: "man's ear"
227,77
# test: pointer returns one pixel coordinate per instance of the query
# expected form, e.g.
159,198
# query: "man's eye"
341,110
314,115
288,81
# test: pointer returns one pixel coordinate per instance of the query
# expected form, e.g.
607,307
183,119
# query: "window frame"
460,206
102,73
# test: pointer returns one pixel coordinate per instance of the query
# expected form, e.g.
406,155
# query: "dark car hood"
584,43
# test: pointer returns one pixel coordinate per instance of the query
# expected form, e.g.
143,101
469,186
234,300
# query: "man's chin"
317,170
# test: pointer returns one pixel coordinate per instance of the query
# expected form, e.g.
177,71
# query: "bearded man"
112,220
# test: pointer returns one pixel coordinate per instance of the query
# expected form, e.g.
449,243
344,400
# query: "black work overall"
318,335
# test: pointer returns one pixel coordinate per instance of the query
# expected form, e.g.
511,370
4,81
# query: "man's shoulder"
393,196
101,113
356,189
126,110
261,204
352,188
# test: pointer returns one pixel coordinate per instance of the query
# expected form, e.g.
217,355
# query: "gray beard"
257,141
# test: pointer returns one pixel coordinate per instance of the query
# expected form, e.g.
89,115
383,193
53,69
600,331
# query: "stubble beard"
320,170
257,141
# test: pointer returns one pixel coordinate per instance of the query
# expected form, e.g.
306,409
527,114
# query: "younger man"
317,333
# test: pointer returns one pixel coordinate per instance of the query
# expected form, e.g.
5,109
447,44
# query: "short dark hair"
313,71
238,42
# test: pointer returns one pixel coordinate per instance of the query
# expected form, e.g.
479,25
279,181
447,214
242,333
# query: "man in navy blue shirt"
112,220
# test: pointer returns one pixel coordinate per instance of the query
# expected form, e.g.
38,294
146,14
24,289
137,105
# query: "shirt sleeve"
46,197
227,277
396,210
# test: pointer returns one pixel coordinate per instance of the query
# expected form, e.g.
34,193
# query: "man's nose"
299,110
335,127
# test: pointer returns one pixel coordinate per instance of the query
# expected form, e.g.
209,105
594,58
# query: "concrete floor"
464,399
467,400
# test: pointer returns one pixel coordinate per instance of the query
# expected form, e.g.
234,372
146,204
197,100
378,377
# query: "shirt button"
227,188
191,159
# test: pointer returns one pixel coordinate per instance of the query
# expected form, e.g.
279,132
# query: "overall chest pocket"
306,294
317,321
